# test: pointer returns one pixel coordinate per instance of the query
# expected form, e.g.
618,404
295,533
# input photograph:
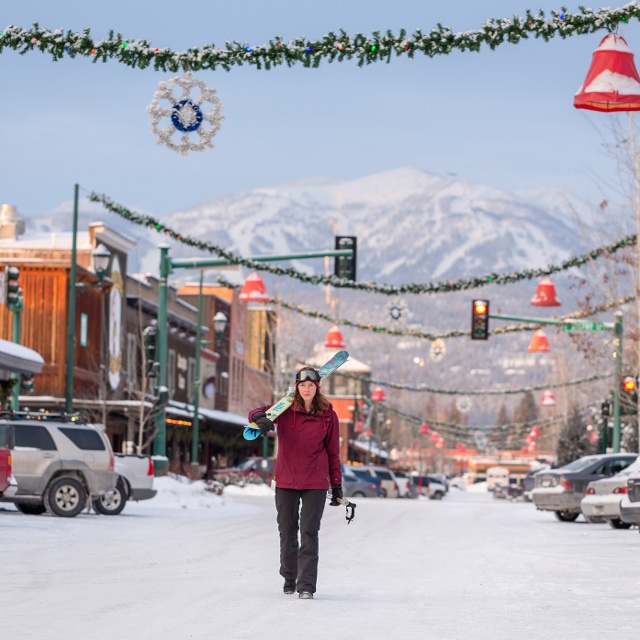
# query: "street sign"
584,326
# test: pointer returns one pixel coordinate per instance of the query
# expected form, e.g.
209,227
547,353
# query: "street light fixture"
219,324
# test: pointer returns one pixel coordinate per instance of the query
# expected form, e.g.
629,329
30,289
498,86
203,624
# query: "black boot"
289,587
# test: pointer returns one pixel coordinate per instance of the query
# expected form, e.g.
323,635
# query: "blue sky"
502,117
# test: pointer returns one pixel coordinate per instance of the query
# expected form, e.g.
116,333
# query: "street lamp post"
219,323
101,256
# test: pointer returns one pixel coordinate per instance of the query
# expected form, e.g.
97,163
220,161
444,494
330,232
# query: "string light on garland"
463,284
333,47
186,115
423,388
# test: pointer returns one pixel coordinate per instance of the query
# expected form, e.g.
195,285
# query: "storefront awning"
366,445
15,358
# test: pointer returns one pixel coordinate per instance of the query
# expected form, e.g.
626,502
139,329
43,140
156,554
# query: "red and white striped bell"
612,82
334,339
253,290
548,399
545,295
539,343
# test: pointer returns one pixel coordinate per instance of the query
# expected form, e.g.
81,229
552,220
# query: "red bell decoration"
535,431
434,436
612,82
253,290
334,339
424,429
548,399
440,443
539,342
377,395
545,295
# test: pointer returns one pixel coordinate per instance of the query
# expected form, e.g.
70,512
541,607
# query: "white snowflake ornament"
186,115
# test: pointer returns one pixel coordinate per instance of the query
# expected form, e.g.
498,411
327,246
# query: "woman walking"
308,464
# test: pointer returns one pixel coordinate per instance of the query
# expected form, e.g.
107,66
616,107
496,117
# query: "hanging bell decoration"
539,343
545,295
334,339
424,429
548,399
377,395
253,290
612,82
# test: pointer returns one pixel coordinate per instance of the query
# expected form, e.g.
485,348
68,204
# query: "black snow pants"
299,561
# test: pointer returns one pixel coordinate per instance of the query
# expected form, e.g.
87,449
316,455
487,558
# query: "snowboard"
252,431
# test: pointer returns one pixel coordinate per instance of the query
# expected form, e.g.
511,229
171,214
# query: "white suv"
60,463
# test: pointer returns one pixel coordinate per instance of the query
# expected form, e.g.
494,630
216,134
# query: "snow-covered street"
189,564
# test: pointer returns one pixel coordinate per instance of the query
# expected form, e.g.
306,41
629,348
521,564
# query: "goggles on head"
307,374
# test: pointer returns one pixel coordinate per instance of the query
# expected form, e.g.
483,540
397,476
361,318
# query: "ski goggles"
307,374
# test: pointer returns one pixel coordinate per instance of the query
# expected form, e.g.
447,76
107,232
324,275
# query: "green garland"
333,47
463,284
421,388
453,333
461,430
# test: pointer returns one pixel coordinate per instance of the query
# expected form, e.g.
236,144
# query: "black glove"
336,494
263,422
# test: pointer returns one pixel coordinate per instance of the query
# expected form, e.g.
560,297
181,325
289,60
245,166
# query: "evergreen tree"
527,410
573,442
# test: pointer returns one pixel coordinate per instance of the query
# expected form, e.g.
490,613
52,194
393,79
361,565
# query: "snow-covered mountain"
411,225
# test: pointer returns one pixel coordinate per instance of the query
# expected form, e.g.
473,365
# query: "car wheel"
616,523
112,503
358,494
65,497
438,495
566,516
30,509
383,492
594,519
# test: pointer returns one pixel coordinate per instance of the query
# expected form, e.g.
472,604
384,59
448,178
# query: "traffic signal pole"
166,268
582,325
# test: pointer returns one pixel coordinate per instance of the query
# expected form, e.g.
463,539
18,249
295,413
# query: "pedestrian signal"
480,320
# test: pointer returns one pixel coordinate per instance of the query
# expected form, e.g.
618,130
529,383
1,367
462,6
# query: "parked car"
630,502
428,486
354,486
528,483
59,463
135,482
249,470
561,490
602,499
389,482
404,485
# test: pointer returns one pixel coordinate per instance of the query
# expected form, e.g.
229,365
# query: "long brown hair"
318,404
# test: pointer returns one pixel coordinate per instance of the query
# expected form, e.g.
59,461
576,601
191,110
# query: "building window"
171,372
132,361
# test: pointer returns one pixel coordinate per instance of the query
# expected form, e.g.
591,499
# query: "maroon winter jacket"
308,449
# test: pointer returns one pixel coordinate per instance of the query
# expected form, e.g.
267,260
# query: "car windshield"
580,463
246,464
634,466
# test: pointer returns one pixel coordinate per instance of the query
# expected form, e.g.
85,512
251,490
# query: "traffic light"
11,286
345,266
480,320
629,396
26,383
149,336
